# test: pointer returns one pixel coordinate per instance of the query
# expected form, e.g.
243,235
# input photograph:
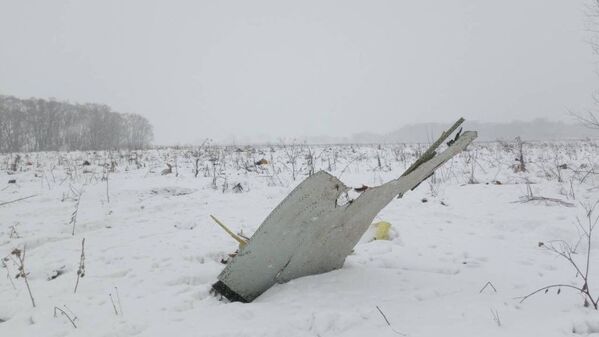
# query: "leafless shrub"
15,164
310,161
238,188
176,166
520,165
78,194
529,196
225,184
584,171
589,119
567,252
292,153
571,193
433,185
196,167
472,159
107,169
167,170
13,232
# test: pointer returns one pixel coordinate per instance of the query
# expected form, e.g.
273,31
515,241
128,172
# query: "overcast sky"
200,69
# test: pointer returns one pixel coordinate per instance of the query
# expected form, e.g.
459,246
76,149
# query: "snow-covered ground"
152,251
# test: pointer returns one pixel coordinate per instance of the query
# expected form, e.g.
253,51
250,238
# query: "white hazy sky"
200,69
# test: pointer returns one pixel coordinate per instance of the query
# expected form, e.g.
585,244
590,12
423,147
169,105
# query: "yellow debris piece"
381,230
237,238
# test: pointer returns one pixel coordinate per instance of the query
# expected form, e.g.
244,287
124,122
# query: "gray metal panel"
282,235
308,233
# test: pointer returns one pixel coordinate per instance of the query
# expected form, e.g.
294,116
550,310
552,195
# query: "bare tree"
590,119
49,125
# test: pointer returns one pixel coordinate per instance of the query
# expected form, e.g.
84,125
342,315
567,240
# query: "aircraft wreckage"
311,232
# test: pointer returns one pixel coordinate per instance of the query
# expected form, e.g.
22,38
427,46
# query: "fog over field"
264,70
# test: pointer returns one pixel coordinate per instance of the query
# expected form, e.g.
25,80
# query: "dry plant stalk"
72,320
81,270
531,197
13,233
4,265
73,220
116,313
118,299
10,202
388,323
20,262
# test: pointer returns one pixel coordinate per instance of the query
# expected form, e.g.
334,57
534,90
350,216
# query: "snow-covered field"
152,251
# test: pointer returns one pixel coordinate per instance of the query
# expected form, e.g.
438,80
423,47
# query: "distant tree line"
48,125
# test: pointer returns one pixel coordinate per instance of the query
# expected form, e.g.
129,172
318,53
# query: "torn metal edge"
222,289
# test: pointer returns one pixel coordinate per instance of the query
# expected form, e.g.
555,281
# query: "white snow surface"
152,252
